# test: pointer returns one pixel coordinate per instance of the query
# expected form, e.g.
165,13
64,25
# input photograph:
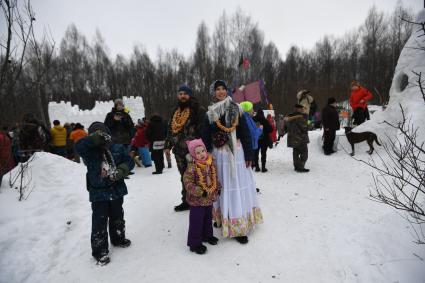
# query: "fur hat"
246,106
303,92
193,144
98,126
186,89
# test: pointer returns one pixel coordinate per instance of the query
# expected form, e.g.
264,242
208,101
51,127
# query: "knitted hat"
220,83
118,101
186,89
193,144
98,126
331,100
246,106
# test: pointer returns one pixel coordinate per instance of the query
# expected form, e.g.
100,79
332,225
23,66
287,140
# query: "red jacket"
6,158
357,96
140,139
273,133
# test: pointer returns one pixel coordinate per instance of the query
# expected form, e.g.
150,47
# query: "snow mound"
35,232
49,171
65,112
404,89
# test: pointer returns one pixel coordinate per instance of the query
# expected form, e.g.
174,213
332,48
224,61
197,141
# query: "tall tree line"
82,72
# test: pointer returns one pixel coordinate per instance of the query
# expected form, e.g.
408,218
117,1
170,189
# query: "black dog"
354,138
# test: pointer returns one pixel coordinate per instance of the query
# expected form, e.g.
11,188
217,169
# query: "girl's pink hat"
191,145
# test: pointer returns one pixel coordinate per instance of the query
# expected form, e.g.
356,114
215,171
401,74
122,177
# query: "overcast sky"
173,23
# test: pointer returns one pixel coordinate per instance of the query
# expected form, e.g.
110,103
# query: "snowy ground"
319,227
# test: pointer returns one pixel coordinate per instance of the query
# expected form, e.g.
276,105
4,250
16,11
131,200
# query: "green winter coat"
297,129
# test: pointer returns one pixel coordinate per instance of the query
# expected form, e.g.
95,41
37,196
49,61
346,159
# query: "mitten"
101,139
120,173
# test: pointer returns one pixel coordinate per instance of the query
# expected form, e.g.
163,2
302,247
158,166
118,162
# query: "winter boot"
199,250
263,167
181,207
102,259
124,243
242,240
212,241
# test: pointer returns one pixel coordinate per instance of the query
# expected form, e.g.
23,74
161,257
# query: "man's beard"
183,104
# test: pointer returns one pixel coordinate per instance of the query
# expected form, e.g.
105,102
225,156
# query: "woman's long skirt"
237,210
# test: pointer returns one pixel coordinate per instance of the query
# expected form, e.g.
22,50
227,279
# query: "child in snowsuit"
202,189
107,166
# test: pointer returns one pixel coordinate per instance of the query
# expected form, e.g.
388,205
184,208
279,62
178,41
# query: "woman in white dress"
226,135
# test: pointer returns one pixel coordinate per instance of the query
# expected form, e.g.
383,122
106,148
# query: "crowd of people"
216,154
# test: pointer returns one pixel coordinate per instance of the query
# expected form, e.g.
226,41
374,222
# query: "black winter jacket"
156,131
330,118
121,131
264,139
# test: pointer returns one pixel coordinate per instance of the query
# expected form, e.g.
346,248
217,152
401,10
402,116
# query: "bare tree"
400,173
19,18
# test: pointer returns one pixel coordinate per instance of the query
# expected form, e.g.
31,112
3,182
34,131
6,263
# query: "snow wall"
65,112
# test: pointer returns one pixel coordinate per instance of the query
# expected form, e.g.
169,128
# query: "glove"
101,139
119,173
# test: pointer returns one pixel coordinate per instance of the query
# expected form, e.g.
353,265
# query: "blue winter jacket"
103,189
254,130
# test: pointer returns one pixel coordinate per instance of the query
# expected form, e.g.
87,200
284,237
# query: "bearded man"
185,125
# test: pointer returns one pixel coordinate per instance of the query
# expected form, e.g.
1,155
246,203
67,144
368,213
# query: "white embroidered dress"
237,210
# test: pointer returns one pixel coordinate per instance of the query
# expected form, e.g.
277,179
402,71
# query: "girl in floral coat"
202,189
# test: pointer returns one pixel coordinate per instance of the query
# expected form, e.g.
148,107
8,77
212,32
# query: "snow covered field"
319,227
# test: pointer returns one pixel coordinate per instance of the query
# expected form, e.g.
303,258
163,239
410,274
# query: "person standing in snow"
120,124
305,99
255,132
142,143
156,134
358,102
202,189
273,133
59,138
77,133
107,166
264,142
185,125
330,121
227,136
297,129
